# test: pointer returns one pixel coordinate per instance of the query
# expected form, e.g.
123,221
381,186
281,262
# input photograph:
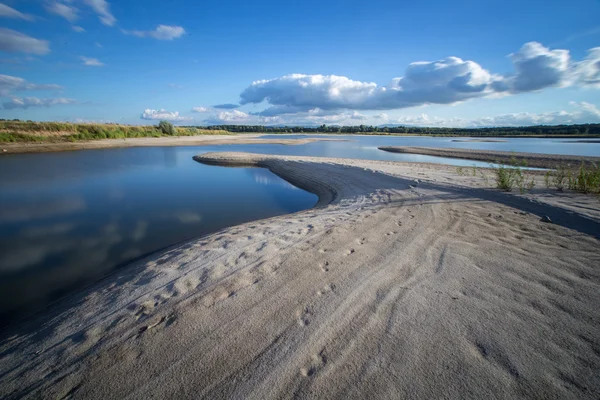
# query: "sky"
267,62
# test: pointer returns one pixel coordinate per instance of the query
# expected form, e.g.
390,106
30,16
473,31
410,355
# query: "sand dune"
390,288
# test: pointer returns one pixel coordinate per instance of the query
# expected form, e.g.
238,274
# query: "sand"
388,288
535,160
201,140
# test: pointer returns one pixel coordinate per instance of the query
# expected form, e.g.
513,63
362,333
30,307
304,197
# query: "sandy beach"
535,160
200,140
406,280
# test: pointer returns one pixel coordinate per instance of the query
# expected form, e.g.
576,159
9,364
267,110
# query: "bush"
586,179
166,128
509,177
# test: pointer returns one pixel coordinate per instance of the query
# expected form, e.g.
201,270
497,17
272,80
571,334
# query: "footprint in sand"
303,316
361,241
317,362
324,266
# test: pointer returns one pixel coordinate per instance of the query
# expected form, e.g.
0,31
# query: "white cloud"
537,67
13,41
61,9
446,81
91,62
162,32
10,84
200,109
8,12
382,116
315,116
78,29
26,102
102,8
587,71
161,114
98,45
581,113
233,116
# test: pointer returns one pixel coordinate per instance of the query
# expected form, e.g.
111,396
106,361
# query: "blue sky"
460,63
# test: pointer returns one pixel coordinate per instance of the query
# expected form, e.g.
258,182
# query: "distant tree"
166,127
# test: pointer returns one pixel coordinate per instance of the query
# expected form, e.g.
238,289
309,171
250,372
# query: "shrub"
166,127
507,177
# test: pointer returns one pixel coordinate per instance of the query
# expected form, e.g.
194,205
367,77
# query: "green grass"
43,132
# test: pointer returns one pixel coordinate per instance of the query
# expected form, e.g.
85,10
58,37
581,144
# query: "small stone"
4,150
547,219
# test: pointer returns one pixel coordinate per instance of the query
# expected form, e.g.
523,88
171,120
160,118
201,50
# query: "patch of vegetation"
511,176
572,131
585,179
166,127
36,132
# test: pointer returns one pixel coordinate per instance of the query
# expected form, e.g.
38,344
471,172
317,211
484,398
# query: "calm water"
67,219
365,147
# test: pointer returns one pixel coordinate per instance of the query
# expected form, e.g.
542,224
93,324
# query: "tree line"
544,130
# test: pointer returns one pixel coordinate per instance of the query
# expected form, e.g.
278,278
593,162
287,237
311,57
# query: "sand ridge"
389,288
200,140
536,160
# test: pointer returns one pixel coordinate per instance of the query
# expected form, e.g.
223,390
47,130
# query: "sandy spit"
388,288
480,140
535,160
201,140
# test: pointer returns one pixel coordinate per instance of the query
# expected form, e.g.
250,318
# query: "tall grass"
585,179
511,176
28,131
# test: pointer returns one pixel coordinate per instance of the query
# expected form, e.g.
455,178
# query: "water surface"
69,218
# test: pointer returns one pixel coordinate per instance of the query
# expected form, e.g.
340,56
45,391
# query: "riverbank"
389,287
203,140
536,160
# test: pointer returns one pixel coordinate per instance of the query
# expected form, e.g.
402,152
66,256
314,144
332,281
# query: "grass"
585,179
41,132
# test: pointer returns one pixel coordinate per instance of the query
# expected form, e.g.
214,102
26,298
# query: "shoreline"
200,140
387,286
536,160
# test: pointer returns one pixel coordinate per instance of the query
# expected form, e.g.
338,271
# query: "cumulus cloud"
537,67
315,116
10,84
102,8
233,116
161,114
162,32
13,42
581,113
26,102
64,10
91,62
8,12
587,71
227,106
446,81
78,29
200,109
